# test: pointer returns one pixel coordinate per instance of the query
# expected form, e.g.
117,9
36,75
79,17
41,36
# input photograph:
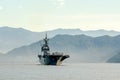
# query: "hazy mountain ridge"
16,37
93,33
11,38
81,48
115,58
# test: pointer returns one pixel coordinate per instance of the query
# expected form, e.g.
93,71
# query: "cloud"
1,8
61,2
58,3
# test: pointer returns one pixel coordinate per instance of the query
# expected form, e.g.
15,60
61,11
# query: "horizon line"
58,29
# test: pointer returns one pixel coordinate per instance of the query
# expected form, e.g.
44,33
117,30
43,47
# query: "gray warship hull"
52,59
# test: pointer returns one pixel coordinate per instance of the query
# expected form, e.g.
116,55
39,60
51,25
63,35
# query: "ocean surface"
67,71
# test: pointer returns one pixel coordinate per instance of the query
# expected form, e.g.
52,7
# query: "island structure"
47,58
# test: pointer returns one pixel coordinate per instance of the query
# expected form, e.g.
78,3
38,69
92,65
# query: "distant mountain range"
81,48
92,33
115,59
11,38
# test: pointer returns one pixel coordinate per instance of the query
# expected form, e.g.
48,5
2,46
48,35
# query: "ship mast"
46,40
45,48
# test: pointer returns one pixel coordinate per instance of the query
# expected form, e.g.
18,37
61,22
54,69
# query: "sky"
42,15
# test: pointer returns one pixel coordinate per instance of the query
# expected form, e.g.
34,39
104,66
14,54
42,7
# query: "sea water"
67,71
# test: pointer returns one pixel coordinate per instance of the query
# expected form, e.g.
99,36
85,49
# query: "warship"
47,58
